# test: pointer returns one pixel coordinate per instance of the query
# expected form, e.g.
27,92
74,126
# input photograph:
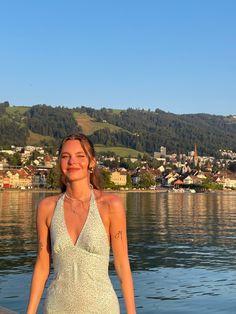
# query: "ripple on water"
181,249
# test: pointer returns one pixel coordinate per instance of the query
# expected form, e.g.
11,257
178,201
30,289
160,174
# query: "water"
182,251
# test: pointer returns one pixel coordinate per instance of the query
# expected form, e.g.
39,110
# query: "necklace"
70,198
73,208
75,199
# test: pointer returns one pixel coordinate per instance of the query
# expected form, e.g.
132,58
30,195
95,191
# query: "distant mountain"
143,130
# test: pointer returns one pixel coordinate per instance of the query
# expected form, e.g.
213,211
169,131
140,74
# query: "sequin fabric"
81,283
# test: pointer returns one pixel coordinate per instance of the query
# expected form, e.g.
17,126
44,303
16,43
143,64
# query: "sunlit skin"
75,167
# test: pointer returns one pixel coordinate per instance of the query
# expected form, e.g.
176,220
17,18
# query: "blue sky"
176,55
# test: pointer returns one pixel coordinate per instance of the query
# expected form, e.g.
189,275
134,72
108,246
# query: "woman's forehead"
72,145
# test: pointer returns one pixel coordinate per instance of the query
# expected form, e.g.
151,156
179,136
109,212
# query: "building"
195,156
119,178
163,151
157,155
48,161
1,179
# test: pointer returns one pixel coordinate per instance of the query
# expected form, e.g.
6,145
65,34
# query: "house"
188,180
196,180
6,183
135,178
11,179
229,183
201,176
177,183
25,180
15,179
119,178
1,178
48,161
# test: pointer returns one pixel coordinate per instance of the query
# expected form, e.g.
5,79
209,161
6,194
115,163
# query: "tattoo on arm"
118,235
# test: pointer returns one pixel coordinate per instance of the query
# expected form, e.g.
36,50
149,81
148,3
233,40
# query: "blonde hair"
89,150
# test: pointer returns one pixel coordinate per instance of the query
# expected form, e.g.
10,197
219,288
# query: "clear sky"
176,55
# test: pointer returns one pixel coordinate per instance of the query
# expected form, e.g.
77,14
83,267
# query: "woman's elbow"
42,266
122,269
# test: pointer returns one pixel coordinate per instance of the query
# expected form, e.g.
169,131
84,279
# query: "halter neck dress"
81,283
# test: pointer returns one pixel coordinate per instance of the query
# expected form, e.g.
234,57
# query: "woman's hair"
89,150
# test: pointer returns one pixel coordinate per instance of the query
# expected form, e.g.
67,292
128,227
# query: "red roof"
178,182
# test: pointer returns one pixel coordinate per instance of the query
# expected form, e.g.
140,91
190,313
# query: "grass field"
119,150
35,138
116,111
89,126
17,109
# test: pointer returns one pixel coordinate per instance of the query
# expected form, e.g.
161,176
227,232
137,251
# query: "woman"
77,228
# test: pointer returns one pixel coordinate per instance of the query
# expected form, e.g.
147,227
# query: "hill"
118,150
141,130
90,125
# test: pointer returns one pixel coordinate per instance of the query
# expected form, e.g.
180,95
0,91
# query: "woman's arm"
120,251
42,265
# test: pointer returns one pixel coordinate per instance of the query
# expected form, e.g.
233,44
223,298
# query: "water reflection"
181,230
17,233
182,250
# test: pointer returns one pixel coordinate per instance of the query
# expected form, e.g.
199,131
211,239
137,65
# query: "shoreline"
162,190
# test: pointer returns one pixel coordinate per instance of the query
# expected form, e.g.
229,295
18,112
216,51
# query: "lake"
182,251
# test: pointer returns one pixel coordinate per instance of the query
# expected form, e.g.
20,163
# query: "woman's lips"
73,169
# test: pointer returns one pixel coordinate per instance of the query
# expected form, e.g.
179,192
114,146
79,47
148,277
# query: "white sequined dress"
81,283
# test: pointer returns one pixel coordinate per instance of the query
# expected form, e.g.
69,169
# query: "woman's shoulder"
111,199
48,203
50,200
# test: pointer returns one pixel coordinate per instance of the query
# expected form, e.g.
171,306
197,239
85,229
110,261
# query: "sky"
175,55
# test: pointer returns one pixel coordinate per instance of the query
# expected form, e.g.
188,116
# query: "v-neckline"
84,225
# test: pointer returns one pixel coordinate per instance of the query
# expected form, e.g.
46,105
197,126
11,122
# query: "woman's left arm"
119,245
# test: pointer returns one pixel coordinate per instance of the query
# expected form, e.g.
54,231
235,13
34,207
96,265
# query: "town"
33,167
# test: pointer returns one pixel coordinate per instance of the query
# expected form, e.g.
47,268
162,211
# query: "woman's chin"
74,177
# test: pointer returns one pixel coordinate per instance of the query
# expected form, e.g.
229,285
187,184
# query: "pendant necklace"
74,199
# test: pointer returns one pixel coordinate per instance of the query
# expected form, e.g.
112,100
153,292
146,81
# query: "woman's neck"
79,191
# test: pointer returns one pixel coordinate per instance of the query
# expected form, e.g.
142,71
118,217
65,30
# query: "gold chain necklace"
75,199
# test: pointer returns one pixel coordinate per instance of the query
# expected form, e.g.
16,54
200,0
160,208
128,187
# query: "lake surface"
182,251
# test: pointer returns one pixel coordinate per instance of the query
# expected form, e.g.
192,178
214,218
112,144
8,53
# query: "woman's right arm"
42,265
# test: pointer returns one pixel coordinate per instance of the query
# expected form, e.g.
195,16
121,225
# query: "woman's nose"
72,160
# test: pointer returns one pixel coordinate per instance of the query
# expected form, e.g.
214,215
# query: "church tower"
195,156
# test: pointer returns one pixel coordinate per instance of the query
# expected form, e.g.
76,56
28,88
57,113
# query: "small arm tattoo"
119,235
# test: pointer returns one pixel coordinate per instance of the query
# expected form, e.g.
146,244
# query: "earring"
91,169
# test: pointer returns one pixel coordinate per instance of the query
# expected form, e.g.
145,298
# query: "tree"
232,166
208,184
146,180
106,179
154,163
129,181
53,179
3,107
14,160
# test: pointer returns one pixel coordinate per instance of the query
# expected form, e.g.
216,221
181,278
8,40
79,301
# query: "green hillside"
13,129
140,130
90,125
118,150
17,110
36,139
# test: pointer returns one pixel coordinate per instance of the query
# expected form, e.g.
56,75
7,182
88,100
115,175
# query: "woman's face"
74,162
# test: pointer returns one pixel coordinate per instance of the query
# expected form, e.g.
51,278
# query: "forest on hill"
143,130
